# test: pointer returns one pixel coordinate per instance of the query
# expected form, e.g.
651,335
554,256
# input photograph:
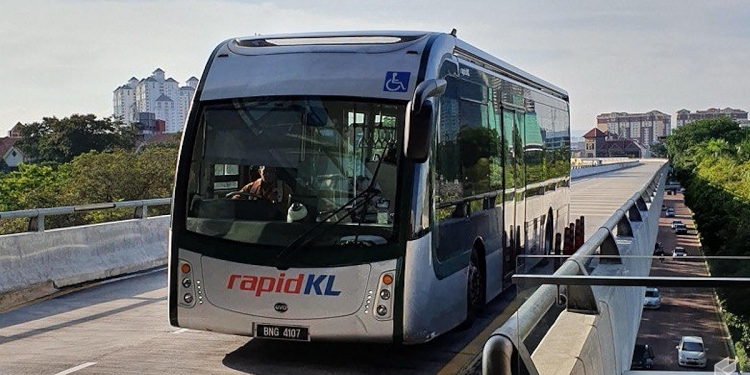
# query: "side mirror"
425,90
419,122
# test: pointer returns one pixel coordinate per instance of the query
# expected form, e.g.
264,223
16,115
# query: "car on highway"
643,357
691,352
652,299
680,229
675,222
669,212
679,252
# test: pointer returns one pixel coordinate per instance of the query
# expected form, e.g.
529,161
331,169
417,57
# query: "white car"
691,352
679,251
652,299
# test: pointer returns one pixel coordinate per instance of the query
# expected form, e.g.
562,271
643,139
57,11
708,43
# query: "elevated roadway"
120,326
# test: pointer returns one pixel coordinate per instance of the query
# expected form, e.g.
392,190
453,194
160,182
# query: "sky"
64,57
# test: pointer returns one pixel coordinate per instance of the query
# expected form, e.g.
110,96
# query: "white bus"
361,186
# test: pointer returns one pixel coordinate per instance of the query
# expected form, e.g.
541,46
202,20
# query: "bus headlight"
383,302
188,298
186,282
382,310
385,294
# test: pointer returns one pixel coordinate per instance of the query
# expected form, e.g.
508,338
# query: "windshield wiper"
368,193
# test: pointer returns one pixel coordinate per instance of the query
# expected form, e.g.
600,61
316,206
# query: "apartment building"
158,95
646,128
684,116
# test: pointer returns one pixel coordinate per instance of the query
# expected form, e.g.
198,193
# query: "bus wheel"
475,293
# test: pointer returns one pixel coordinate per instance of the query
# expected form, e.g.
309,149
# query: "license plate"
269,331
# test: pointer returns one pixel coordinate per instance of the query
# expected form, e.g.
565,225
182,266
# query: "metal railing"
505,349
36,216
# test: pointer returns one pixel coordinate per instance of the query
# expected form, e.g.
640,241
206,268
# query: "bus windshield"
267,170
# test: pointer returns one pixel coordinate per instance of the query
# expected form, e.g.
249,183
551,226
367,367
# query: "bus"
377,186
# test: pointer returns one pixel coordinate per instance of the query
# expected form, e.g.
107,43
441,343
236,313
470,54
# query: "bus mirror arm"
425,90
419,125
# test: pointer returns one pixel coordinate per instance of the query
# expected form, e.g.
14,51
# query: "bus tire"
475,290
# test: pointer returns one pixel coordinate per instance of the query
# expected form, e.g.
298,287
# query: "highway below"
121,326
684,311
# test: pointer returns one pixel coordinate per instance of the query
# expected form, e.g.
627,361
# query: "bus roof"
376,42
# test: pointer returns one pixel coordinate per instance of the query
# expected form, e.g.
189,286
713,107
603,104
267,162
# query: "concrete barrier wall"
36,264
589,171
603,343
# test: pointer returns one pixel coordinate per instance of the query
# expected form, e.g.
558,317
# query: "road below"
684,311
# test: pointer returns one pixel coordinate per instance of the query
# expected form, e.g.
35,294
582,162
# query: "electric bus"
373,186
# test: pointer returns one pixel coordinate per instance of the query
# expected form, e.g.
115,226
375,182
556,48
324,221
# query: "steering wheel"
244,194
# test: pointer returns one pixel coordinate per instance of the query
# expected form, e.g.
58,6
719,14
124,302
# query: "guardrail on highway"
38,263
582,171
36,216
630,231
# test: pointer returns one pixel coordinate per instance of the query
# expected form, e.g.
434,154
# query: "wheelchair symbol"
396,81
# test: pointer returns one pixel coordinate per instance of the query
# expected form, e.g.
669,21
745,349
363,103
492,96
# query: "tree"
60,140
743,150
4,167
123,176
32,186
699,131
658,150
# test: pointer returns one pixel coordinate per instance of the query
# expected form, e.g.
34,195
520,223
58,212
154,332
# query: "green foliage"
710,157
33,186
93,177
123,176
658,150
743,362
4,167
740,332
60,140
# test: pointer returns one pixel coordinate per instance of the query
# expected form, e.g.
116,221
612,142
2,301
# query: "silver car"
691,352
652,299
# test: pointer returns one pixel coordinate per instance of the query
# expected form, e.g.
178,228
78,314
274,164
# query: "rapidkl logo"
321,285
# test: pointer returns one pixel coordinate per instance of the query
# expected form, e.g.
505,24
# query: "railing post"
579,232
141,212
558,250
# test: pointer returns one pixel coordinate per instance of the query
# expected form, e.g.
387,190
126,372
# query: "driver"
270,188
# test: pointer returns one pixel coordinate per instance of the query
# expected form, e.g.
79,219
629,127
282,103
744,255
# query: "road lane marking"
74,369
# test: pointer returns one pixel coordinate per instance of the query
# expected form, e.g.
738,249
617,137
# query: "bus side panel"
431,306
493,243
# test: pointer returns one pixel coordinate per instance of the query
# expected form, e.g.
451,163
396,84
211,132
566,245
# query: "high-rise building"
643,127
157,95
684,116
